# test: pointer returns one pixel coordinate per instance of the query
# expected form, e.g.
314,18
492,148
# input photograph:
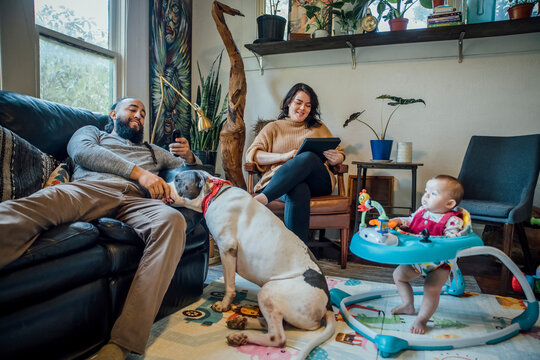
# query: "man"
115,176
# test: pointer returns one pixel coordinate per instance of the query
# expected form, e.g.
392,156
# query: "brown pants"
161,227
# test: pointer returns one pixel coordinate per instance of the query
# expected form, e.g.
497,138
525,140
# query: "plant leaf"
396,100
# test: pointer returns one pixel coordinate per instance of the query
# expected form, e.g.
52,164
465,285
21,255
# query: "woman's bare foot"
261,198
418,327
403,309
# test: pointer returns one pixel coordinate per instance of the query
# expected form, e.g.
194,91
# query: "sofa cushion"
116,230
24,168
487,208
46,124
56,242
43,281
60,175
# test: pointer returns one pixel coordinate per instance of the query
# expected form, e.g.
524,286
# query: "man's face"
129,118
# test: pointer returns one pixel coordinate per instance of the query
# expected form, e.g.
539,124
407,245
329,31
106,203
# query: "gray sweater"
98,155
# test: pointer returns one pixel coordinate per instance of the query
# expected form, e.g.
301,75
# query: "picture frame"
170,56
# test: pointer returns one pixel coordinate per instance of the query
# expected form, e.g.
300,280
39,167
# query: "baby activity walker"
388,246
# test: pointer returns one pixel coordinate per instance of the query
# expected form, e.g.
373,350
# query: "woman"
294,179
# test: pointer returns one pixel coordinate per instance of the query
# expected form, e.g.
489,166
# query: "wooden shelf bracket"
460,47
353,54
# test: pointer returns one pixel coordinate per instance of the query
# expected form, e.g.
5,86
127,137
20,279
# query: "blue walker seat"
381,245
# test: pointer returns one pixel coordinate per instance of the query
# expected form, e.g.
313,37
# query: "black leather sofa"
61,298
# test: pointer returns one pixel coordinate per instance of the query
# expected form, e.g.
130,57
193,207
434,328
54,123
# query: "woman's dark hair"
312,120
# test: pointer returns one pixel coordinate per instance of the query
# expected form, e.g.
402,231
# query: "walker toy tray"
410,250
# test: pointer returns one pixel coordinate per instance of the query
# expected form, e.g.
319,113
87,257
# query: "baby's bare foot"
418,327
404,309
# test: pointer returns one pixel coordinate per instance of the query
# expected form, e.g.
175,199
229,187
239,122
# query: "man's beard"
124,131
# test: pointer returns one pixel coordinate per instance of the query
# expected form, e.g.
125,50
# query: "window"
77,61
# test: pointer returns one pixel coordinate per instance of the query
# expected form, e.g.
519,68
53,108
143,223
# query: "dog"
255,243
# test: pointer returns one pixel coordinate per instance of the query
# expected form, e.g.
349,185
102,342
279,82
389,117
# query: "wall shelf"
458,33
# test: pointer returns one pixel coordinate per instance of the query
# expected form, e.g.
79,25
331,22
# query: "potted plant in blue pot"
381,148
271,27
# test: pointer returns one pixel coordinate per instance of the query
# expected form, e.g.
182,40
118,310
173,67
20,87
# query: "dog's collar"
218,184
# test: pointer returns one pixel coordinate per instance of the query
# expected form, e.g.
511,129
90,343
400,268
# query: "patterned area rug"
197,332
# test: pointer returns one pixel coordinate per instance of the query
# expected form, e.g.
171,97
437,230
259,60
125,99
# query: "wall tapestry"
170,56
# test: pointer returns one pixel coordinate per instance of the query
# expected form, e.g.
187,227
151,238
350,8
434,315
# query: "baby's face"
437,197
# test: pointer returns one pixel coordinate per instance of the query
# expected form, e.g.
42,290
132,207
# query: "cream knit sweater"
281,136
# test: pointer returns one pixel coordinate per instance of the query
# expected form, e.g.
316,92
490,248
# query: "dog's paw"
219,307
237,339
238,323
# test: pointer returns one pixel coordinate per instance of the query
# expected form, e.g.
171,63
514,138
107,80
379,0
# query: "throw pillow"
24,168
60,175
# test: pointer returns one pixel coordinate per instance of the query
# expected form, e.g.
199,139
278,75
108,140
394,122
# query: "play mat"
197,332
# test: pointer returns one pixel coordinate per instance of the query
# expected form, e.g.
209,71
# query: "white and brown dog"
255,243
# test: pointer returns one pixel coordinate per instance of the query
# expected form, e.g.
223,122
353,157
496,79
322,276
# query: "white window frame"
116,40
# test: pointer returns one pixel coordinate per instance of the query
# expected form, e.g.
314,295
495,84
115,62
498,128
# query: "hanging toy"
378,234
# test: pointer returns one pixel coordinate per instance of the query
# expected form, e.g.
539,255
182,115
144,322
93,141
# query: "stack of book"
444,15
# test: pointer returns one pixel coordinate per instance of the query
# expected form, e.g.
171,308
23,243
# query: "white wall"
18,47
494,91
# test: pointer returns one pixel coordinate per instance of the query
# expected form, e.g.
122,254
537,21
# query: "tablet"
318,145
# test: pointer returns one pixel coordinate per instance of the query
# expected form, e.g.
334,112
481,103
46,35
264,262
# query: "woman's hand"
288,155
333,156
181,148
269,158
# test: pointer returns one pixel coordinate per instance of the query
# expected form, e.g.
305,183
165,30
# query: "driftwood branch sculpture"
233,134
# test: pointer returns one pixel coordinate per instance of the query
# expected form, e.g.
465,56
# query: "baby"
443,193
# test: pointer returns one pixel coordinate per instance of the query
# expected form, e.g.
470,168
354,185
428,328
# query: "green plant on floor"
393,101
209,98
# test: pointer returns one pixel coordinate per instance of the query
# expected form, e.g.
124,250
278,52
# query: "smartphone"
176,134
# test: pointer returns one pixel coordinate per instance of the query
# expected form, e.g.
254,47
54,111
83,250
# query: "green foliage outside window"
69,75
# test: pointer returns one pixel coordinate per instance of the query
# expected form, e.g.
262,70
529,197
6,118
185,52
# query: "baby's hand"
396,221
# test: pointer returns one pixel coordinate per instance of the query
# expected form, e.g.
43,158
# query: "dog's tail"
328,332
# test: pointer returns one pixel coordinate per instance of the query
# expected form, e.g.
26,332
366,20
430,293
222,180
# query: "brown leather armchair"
327,212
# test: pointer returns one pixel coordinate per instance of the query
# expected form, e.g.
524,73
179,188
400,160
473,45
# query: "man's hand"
181,148
156,186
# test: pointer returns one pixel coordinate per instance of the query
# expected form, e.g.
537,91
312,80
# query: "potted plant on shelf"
396,12
319,17
520,9
271,27
348,16
381,148
204,144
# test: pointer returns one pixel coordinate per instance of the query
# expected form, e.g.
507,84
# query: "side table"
363,166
